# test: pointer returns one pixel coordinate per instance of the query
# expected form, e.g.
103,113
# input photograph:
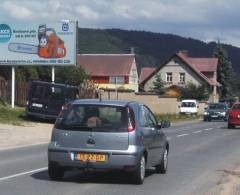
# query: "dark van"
45,99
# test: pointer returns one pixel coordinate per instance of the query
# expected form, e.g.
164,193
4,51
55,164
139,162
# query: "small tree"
192,91
158,85
224,71
71,75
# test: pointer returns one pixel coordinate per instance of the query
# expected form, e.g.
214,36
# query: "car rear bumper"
126,160
41,115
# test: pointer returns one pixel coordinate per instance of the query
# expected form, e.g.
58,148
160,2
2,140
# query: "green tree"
158,85
73,75
192,91
224,71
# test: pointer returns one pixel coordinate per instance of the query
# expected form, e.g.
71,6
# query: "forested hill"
152,49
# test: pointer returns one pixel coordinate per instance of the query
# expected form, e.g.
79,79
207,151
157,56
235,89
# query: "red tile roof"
198,65
106,64
145,72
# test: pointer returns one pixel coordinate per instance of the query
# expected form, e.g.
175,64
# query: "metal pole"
13,86
116,88
53,74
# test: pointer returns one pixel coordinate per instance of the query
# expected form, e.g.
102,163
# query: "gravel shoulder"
29,134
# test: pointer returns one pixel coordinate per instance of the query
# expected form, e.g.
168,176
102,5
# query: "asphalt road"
199,153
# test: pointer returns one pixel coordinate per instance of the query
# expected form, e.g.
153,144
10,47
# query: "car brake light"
131,120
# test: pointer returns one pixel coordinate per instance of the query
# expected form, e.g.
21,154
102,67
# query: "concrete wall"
161,105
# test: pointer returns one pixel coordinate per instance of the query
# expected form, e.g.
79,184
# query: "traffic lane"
22,159
199,126
182,174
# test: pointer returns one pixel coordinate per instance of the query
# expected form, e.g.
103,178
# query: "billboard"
38,44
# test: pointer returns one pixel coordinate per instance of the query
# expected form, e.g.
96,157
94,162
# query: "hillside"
152,49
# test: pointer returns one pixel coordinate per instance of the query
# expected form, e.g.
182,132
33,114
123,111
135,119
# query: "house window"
182,77
169,77
116,80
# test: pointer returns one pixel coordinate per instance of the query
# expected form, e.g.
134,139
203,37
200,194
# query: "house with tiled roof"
181,69
111,71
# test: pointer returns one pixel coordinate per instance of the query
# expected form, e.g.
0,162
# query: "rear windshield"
236,107
93,118
217,106
188,104
46,92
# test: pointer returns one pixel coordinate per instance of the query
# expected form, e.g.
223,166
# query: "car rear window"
93,118
188,104
47,92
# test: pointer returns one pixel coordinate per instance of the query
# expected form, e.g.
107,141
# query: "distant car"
234,115
107,134
216,111
45,99
188,107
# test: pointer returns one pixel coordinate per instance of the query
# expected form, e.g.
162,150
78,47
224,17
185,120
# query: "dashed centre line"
195,132
209,129
182,135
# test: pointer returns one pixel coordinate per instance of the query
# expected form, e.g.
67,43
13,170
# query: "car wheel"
55,172
162,167
209,119
230,126
139,173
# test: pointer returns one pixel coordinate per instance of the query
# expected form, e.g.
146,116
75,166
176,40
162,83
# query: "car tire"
55,172
230,126
139,173
162,167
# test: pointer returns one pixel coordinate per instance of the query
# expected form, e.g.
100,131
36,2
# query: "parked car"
234,115
107,134
188,107
45,100
216,111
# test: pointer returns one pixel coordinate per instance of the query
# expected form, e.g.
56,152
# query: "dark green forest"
152,49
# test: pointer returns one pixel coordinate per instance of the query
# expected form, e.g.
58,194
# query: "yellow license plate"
91,157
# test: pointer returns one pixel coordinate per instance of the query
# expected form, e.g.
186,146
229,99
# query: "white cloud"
17,11
202,19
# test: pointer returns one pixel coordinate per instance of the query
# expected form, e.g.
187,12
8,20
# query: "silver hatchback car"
107,134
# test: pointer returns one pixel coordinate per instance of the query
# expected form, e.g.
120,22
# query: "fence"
21,91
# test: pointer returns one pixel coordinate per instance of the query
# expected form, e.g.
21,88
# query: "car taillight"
131,120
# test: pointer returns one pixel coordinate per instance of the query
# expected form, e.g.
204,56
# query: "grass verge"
10,115
177,117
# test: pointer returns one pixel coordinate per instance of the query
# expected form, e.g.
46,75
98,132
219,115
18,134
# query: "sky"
206,20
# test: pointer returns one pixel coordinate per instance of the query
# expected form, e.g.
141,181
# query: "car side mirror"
165,124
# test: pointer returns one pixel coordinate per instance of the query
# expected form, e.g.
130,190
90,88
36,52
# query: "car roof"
104,102
189,100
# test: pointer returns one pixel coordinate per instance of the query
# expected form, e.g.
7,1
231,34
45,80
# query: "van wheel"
139,173
162,167
55,172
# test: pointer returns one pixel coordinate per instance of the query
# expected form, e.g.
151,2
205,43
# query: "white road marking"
23,173
181,135
220,127
22,146
195,132
209,129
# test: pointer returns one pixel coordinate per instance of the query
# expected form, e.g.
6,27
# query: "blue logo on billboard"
65,27
5,33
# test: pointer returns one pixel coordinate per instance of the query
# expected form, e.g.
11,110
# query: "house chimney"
184,53
132,50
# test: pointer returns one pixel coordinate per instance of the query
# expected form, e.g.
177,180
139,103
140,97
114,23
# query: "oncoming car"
216,111
108,135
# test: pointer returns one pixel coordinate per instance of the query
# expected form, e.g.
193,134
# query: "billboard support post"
13,86
53,74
